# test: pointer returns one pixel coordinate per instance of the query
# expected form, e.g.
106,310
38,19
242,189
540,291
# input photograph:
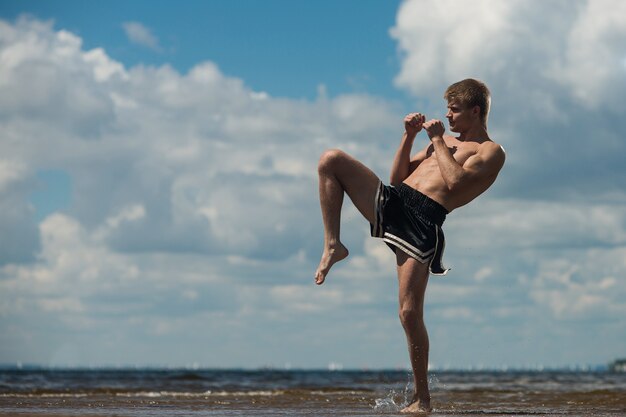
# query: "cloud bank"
193,228
194,200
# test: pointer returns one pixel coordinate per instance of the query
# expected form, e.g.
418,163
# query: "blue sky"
285,47
159,194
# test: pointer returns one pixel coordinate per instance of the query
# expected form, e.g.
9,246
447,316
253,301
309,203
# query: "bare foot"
331,255
417,407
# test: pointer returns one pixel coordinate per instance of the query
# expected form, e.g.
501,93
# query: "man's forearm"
402,161
451,171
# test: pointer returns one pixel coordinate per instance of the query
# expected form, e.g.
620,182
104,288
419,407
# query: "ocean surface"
49,392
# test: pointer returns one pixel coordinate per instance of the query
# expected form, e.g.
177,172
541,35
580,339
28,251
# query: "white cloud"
173,176
130,213
10,172
583,283
523,224
591,67
139,34
529,49
103,67
194,199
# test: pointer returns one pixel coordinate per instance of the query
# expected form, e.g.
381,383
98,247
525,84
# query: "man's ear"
476,111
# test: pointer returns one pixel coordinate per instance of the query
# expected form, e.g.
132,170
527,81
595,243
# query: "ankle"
333,243
421,398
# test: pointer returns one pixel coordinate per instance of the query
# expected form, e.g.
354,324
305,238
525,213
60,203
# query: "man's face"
460,117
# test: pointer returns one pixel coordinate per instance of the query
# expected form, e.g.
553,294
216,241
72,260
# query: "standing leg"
338,173
412,280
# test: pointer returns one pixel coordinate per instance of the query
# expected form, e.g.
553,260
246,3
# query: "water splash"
395,400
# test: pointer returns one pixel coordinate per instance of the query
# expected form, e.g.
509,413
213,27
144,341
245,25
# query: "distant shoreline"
611,367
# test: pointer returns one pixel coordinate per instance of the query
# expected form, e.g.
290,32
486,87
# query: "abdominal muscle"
429,182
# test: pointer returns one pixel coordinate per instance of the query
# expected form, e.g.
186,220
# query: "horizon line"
272,368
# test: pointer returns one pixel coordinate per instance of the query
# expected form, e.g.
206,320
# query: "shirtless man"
446,174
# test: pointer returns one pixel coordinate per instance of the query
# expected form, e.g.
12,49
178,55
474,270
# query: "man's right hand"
413,123
434,128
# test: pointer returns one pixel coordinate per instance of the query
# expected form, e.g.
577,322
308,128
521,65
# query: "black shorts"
410,221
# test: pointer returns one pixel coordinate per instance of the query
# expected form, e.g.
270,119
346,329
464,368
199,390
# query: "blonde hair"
471,92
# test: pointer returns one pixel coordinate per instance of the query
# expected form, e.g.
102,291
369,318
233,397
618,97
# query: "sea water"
154,392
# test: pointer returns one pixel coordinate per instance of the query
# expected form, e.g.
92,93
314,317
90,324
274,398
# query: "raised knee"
330,158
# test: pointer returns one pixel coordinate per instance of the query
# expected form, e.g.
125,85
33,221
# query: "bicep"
484,164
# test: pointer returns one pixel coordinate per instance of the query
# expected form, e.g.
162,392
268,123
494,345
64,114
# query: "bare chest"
460,151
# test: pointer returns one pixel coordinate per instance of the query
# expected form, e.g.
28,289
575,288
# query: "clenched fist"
434,128
413,123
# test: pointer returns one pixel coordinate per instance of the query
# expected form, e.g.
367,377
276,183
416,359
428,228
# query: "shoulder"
488,159
491,150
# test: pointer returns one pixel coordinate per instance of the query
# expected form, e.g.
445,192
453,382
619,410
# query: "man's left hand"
434,128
